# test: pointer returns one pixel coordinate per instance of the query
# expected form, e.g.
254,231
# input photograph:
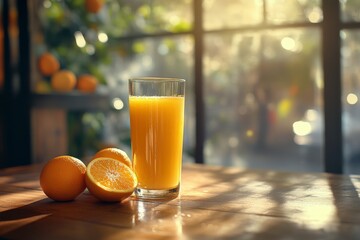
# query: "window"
270,83
350,81
262,84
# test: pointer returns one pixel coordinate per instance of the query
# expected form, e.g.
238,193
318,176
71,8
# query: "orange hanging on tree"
63,81
48,64
93,6
87,83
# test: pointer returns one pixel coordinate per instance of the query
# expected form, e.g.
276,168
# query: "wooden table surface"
215,203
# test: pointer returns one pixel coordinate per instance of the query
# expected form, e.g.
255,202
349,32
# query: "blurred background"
254,69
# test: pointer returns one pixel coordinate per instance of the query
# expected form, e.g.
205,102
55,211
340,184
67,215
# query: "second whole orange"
114,153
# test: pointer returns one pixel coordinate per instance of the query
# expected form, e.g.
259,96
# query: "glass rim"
156,79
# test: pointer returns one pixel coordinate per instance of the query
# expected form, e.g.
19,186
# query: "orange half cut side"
109,179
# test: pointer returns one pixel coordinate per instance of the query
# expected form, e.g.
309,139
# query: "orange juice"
157,125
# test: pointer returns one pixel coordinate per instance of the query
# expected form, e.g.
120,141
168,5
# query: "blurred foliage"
350,10
84,133
269,77
62,19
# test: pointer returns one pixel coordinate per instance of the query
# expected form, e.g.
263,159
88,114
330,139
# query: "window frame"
330,27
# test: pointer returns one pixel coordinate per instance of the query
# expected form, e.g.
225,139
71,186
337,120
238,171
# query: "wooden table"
216,202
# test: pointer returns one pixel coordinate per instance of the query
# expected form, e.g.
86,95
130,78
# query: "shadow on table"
85,218
271,205
345,198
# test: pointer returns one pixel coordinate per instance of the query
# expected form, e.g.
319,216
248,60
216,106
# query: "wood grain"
215,203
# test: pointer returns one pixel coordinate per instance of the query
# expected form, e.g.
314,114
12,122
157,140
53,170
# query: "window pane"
83,42
351,93
146,16
97,44
229,13
124,17
1,54
2,99
260,88
289,11
350,10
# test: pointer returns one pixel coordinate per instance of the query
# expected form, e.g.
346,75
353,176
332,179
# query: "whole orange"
87,83
63,81
48,64
114,153
63,178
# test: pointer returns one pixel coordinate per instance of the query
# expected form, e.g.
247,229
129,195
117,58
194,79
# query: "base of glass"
147,194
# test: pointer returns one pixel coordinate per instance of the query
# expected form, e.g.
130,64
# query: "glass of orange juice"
157,125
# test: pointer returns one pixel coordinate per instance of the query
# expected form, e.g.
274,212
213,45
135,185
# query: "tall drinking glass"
157,126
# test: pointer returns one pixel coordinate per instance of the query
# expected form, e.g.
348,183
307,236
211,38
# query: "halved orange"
115,153
110,180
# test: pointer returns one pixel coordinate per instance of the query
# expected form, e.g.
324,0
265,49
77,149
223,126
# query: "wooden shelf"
73,101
